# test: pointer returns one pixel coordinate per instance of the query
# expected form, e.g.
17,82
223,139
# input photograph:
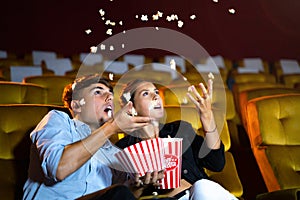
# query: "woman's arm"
203,105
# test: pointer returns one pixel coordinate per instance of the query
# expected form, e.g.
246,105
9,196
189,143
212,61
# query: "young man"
72,157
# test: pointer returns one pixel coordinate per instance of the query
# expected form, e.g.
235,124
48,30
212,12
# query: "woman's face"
147,101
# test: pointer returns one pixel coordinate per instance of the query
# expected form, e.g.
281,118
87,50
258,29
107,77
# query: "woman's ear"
75,106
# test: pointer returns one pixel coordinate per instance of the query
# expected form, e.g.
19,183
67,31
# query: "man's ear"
75,106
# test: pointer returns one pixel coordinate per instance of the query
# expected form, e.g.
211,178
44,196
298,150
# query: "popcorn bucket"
142,157
173,153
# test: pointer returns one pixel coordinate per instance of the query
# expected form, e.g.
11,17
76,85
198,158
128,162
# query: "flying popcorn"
231,11
111,47
93,49
102,12
155,17
127,96
121,23
109,31
169,18
156,28
160,14
193,17
174,17
109,113
180,23
123,46
173,64
136,16
102,46
144,18
82,102
216,1
133,112
111,76
88,31
211,76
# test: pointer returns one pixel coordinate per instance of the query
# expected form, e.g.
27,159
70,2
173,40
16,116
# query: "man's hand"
138,185
125,122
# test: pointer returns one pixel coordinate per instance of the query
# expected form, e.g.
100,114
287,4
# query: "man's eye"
97,92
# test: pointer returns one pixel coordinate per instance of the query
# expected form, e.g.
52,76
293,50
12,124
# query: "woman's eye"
145,93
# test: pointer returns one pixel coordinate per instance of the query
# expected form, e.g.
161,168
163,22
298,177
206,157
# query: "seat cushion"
234,186
285,161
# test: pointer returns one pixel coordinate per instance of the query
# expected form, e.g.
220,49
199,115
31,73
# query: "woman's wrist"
211,130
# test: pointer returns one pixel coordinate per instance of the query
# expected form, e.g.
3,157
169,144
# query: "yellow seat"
229,177
247,95
14,92
239,87
53,84
291,80
273,129
16,123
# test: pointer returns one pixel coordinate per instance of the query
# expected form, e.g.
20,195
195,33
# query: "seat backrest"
273,130
290,80
14,92
16,123
190,114
247,95
274,120
176,96
54,84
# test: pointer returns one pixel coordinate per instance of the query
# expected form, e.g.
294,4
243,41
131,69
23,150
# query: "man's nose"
109,96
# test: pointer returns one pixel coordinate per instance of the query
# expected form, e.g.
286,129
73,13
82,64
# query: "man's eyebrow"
100,88
97,87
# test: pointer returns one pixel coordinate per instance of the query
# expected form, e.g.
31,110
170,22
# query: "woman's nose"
156,96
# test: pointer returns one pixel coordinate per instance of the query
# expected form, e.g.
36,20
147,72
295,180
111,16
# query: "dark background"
269,29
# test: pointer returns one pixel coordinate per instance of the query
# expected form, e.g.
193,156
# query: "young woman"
147,102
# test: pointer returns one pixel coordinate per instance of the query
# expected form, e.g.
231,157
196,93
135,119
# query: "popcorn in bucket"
142,157
173,153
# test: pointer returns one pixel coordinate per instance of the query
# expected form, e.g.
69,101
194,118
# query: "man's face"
97,106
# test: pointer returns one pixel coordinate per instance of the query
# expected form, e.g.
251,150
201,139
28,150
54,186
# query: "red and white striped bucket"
142,157
173,153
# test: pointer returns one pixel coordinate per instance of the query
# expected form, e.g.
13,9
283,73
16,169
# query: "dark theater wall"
269,29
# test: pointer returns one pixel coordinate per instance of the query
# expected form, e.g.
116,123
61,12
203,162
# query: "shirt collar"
84,130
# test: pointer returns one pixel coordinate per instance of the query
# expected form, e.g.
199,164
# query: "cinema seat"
291,80
247,95
16,123
273,128
15,92
229,177
53,84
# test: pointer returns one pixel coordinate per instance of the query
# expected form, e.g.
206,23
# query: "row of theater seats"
273,130
189,69
27,103
177,107
269,113
22,106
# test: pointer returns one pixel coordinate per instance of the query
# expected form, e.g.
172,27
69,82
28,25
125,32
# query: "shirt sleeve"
50,136
212,159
